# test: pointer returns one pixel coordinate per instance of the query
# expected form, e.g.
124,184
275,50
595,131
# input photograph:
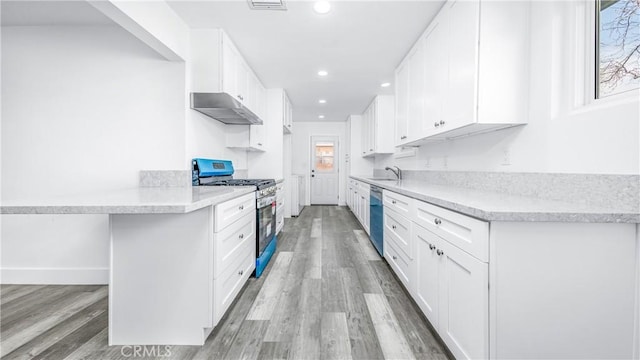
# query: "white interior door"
324,170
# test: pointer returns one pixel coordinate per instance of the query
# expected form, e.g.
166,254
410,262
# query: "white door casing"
324,178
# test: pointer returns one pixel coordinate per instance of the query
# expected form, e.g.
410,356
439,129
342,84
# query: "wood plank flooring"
326,294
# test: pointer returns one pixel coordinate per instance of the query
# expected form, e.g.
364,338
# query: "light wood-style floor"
325,295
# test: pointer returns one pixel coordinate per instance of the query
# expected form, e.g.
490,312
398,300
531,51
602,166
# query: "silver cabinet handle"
394,257
259,144
393,227
432,247
393,201
240,97
436,124
441,122
370,149
241,207
439,252
437,221
241,236
241,272
403,137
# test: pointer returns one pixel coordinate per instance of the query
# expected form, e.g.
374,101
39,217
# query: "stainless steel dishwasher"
376,217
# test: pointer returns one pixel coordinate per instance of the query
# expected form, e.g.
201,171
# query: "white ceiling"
41,13
359,43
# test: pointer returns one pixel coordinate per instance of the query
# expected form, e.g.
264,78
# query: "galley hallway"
326,294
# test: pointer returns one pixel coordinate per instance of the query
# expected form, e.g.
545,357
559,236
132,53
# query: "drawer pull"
241,272
432,247
437,221
439,252
393,201
393,227
241,236
394,257
241,207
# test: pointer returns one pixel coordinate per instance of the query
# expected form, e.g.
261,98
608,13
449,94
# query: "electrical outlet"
506,157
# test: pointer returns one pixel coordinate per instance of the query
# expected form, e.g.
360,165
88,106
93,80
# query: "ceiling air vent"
267,4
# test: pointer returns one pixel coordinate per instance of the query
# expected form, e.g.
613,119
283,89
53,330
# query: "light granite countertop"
142,200
493,206
279,180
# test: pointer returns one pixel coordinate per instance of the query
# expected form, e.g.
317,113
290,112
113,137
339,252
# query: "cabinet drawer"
364,189
401,228
469,234
230,241
228,212
399,262
399,203
228,285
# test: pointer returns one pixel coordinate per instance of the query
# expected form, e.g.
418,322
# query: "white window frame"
586,63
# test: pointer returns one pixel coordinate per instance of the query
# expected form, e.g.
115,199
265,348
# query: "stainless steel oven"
266,221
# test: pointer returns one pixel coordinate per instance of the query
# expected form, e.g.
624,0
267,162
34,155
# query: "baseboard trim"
55,276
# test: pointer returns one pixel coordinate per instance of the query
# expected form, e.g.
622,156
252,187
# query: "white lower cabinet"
539,301
463,301
233,251
450,285
451,289
358,201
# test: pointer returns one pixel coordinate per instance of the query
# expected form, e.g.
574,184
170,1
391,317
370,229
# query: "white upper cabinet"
218,66
287,126
402,103
378,122
468,73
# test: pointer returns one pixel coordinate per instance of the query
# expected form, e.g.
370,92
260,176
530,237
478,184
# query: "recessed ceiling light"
322,7
323,73
321,117
322,101
385,84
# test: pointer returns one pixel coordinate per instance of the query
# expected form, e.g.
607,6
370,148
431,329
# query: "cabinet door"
257,138
402,103
415,116
436,73
463,315
428,264
364,136
242,79
229,67
251,94
365,213
460,104
373,128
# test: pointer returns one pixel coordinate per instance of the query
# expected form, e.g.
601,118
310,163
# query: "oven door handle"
266,201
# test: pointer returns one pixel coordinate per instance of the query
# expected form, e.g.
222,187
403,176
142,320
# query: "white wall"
560,137
301,157
84,109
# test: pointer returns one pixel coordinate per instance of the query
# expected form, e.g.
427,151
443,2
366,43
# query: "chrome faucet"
397,173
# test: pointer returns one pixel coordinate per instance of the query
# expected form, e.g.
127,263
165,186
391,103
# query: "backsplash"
165,178
623,191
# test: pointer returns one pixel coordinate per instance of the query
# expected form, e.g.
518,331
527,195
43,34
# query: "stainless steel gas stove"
208,172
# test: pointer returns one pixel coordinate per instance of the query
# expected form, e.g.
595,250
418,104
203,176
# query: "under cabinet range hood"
224,108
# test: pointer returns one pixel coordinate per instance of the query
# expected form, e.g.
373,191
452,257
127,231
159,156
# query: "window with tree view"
618,46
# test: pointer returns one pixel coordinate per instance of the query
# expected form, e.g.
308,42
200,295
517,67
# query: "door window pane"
618,46
324,157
